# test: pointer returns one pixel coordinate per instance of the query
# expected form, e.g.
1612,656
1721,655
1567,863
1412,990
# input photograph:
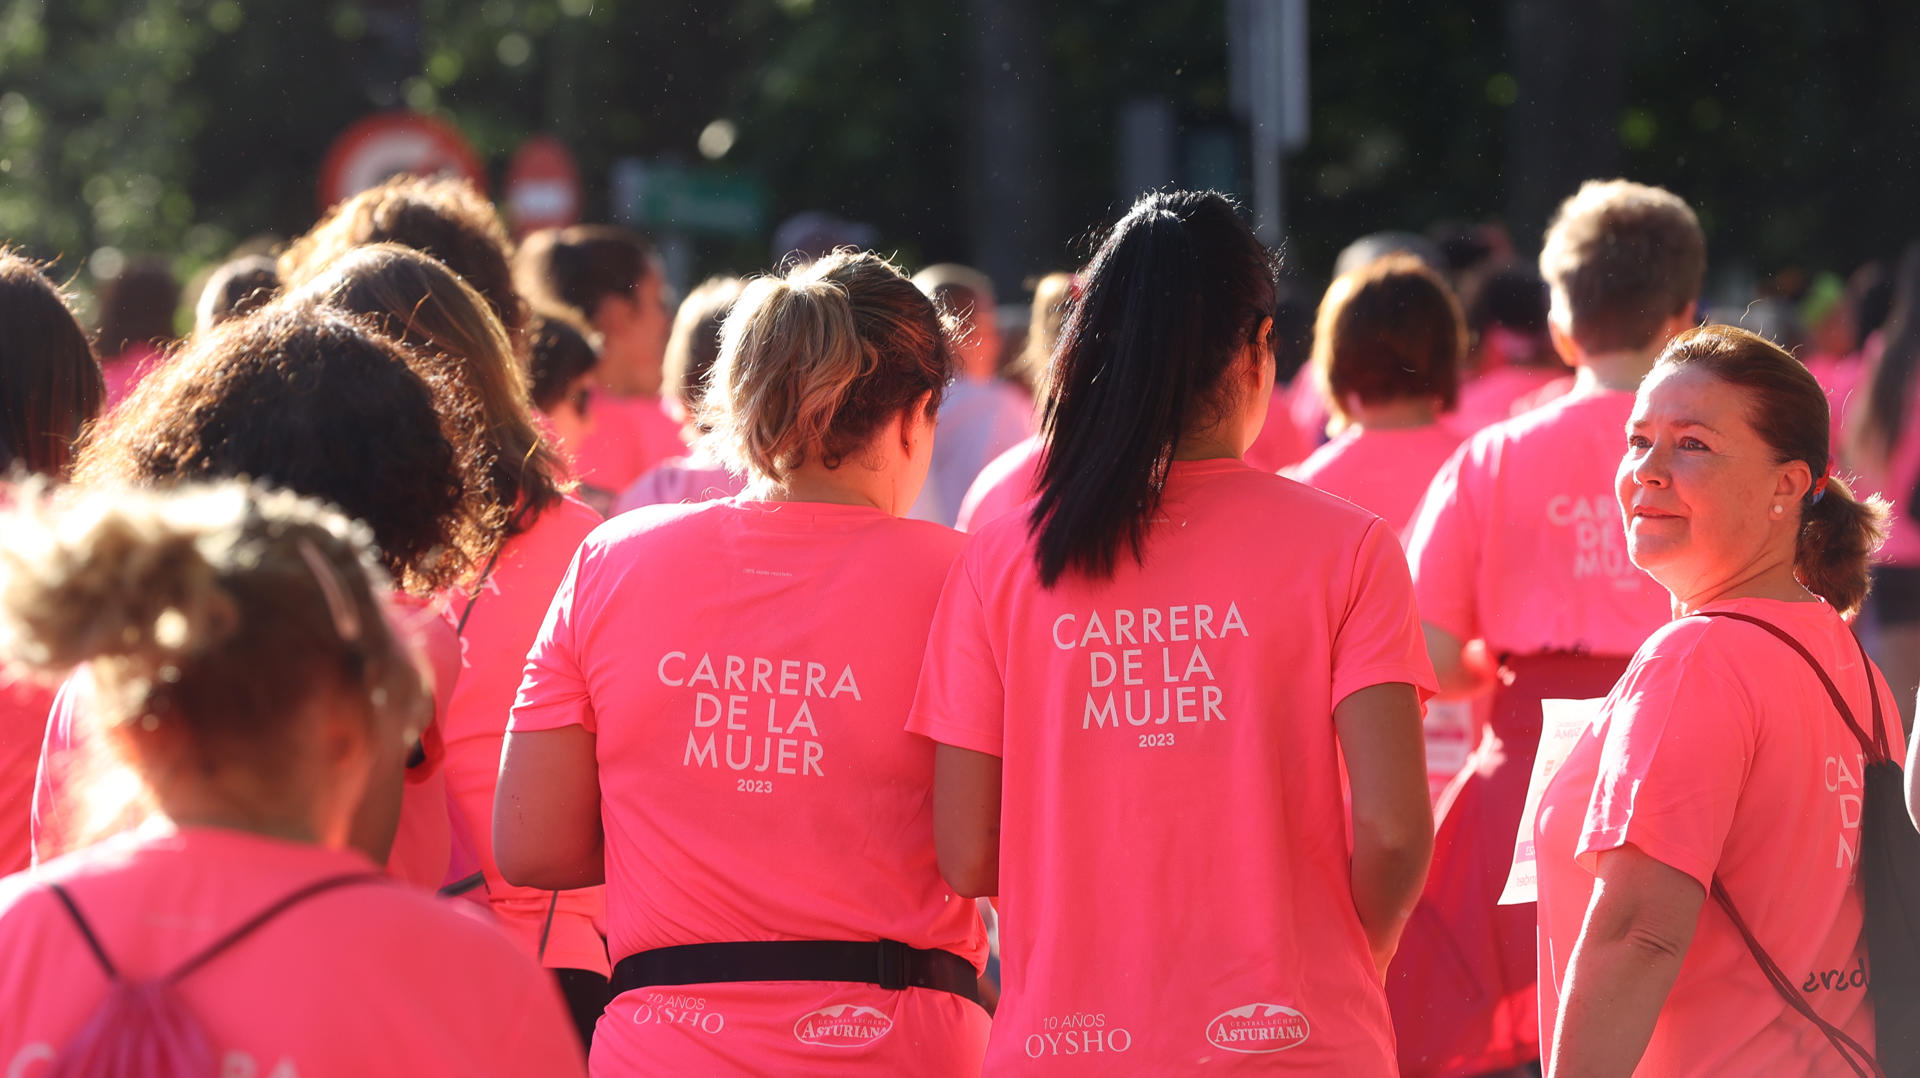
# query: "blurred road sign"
666,197
543,186
387,144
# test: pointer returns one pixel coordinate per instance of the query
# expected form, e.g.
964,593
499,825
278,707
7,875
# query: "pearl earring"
1779,509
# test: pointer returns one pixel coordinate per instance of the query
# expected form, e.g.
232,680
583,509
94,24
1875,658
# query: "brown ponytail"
1838,538
1838,532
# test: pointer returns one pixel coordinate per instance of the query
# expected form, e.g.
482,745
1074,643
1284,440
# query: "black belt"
888,963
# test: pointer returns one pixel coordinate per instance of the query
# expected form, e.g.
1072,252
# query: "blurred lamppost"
1267,69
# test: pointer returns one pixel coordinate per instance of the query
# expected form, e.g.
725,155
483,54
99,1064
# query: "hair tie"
346,620
1820,484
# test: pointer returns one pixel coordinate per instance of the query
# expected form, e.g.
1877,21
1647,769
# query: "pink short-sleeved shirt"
1495,395
1385,472
629,435
1895,478
365,979
1175,885
746,669
1003,485
1518,541
504,619
1719,753
24,706
692,478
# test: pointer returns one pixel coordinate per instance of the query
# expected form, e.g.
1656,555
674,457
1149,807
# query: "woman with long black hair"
1150,680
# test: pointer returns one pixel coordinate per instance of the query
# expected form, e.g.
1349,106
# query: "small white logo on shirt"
845,1026
1258,1028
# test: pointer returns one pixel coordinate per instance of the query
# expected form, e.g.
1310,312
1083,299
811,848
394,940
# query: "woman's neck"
1615,372
1768,578
1405,413
849,484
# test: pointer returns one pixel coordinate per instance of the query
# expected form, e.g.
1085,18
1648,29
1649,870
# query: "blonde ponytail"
811,364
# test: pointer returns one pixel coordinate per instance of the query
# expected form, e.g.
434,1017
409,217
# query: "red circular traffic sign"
387,144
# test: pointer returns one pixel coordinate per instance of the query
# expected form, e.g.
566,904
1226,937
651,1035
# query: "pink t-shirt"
1895,479
629,435
1495,395
692,478
23,726
500,628
1519,540
124,372
1174,871
367,978
1385,472
746,669
1003,485
422,842
1719,753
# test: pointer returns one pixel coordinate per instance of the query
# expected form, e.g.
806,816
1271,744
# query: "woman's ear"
916,422
1795,480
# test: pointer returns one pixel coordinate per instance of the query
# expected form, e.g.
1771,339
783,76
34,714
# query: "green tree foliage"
186,126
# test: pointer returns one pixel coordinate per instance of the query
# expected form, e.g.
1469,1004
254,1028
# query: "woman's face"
1698,486
633,332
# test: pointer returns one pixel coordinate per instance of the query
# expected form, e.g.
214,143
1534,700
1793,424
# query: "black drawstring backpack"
1889,872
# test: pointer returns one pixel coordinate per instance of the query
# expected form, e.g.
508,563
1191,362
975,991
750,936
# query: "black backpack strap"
1852,1051
86,931
1875,747
1876,750
258,920
212,951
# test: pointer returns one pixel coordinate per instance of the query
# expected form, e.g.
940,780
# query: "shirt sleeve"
1678,746
553,691
961,699
1443,547
1379,640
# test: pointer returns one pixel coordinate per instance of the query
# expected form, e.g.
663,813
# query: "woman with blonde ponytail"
713,717
1723,762
247,675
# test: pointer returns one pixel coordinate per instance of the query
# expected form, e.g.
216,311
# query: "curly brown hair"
317,402
416,299
439,215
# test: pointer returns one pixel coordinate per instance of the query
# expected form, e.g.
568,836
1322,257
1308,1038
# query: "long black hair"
1177,289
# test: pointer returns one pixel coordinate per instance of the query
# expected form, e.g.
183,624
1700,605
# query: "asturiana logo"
1258,1027
846,1026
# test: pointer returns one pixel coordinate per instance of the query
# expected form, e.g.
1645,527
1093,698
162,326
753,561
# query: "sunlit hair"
694,345
50,384
1389,331
441,216
1625,257
210,620
1052,295
243,284
1178,289
320,403
414,298
1786,407
814,362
